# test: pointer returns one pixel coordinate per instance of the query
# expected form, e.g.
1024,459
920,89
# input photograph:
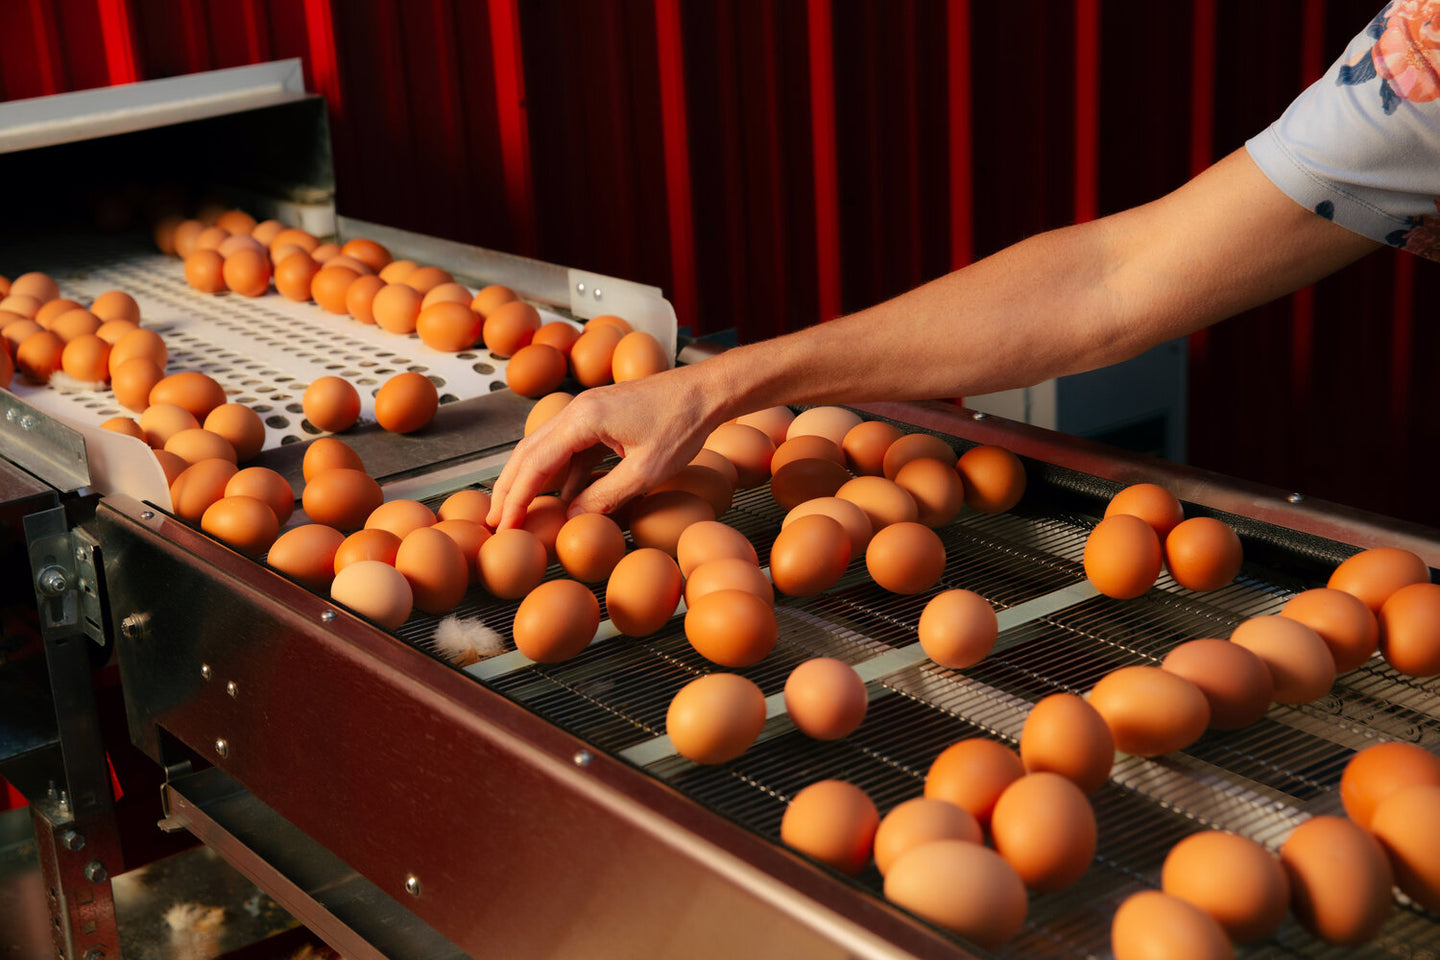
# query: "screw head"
979,415
328,616
412,885
95,872
580,288
147,515
205,671
222,747
232,688
582,758
72,840
598,294
81,553
53,582
1296,498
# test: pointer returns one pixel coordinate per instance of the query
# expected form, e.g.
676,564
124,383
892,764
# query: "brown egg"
832,423
328,453
589,546
266,231
451,327
247,272
396,308
1150,925
803,448
400,517
591,355
469,536
161,421
611,321
825,698
544,518
557,334
1340,880
21,305
437,571
802,480
326,252
139,343
865,444
187,232
707,540
1122,556
268,487
41,286
210,239
191,390
643,592
39,356
1407,825
329,286
704,482
424,279
638,354
488,298
397,270
545,408
1233,879
74,324
125,425
246,524
1236,683
198,444
465,505
205,271
809,556
728,573
86,358
658,519
718,463
848,515
1151,503
341,498
172,465
112,330
307,554
373,544
241,426
883,501
511,563
774,422
1341,619
294,275
17,333
834,822
52,310
994,478
360,297
1376,773
918,821
535,370
368,252
1150,711
510,326
1065,735
961,886
1203,553
1409,629
905,557
234,243
406,402
715,718
972,774
733,628
935,487
556,621
133,382
116,305
913,446
1372,575
198,486
1043,826
331,404
236,221
375,590
747,448
1300,663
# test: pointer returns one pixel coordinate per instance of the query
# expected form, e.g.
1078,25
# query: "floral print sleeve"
1362,145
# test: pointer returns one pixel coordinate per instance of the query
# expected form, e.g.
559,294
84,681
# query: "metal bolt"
1296,498
979,415
222,747
582,758
52,581
598,294
72,840
27,423
147,515
205,671
328,616
95,872
133,626
232,688
579,288
81,553
412,885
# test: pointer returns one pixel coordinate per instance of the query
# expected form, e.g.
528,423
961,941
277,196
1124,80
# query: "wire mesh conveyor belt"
1057,634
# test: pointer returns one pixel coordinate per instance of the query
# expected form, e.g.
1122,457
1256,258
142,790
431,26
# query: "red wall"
771,164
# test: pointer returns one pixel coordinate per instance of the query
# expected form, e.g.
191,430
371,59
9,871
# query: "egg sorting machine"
402,806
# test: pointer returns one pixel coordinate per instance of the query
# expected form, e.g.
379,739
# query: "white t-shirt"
1361,146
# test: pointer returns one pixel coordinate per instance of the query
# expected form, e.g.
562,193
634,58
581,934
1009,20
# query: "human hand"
655,425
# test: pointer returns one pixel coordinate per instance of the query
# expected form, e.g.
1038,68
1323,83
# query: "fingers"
626,481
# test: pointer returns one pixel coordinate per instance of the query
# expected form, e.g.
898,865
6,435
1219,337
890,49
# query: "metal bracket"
42,444
66,565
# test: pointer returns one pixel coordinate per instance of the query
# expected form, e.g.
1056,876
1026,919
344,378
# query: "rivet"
205,671
598,294
582,758
222,747
1296,498
72,840
147,515
232,688
27,423
979,415
412,885
580,289
328,616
